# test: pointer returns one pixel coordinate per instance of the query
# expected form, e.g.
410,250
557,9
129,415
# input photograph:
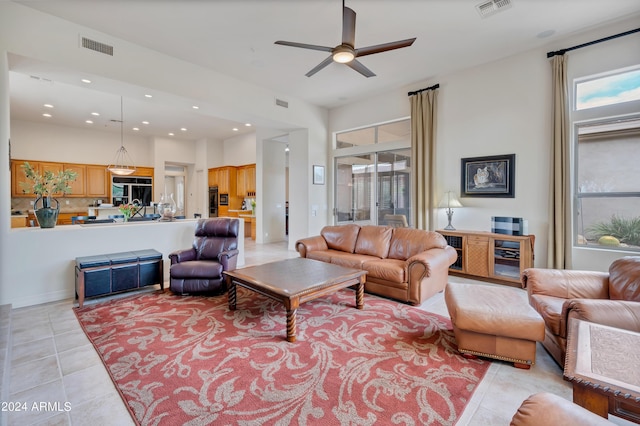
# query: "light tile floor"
53,362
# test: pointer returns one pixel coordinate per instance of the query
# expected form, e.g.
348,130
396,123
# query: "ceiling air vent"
96,46
281,103
491,7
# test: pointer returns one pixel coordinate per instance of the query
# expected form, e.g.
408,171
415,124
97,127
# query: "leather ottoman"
494,322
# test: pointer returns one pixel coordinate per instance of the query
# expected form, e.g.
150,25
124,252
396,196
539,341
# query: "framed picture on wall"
318,175
491,176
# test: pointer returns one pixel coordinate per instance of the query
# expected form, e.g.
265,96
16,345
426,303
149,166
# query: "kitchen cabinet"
143,171
18,178
496,257
227,180
65,218
91,180
78,185
213,177
246,181
18,221
96,182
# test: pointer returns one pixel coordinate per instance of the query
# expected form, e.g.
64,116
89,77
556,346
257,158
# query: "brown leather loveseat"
405,264
611,299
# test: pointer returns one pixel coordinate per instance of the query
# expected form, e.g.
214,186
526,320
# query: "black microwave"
224,199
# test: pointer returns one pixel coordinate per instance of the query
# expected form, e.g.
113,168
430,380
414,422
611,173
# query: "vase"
47,216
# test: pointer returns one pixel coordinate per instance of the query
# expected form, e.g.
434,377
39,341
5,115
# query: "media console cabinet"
489,256
106,274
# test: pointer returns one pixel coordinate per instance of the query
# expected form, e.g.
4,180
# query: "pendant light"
122,164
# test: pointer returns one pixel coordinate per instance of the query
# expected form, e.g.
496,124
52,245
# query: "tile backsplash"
74,204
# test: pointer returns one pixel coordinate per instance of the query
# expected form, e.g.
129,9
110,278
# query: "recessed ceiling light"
235,129
88,121
48,106
145,122
85,80
195,107
46,115
136,129
545,34
184,129
148,96
95,114
248,124
171,134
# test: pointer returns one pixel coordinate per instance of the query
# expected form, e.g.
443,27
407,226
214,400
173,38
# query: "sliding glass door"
371,186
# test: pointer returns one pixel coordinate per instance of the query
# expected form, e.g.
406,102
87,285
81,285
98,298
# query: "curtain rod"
435,86
563,51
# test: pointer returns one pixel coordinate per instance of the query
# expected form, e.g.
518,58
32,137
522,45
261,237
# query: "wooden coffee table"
602,365
295,281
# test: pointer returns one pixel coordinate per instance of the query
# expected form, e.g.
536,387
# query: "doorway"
175,177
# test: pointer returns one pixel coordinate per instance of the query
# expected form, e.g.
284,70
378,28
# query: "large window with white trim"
607,158
373,173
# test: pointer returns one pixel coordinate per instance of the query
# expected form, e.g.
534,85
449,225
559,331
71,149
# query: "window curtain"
559,241
423,131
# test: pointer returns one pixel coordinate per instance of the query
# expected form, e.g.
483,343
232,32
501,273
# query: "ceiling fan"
346,53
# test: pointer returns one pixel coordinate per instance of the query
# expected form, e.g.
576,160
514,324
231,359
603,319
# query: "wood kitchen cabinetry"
18,178
246,181
96,182
495,257
78,185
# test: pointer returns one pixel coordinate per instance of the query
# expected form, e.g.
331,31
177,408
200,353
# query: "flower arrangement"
48,183
127,210
253,206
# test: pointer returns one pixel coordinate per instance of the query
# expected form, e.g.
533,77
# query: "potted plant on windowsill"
44,186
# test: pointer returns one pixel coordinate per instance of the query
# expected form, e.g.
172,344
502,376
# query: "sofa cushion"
341,237
351,260
550,309
387,269
374,240
624,279
322,255
407,242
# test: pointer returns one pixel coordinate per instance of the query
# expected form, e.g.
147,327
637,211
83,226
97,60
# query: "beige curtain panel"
559,241
423,131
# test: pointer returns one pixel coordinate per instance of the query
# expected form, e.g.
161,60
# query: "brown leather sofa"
611,299
215,249
547,409
405,264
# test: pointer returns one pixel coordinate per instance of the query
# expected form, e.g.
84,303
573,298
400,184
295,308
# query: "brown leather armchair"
547,409
215,249
611,299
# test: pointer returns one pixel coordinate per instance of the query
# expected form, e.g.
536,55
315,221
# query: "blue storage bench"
117,272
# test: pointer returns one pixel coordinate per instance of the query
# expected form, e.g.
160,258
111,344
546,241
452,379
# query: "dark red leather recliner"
215,249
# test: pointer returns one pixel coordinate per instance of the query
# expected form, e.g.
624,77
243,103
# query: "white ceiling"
236,37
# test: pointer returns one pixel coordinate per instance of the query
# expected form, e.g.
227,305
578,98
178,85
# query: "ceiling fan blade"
348,26
320,66
304,46
370,50
358,66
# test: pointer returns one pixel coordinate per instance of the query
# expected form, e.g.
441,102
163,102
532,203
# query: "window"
607,153
611,89
383,133
372,173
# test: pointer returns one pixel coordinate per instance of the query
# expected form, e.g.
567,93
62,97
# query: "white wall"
51,142
240,150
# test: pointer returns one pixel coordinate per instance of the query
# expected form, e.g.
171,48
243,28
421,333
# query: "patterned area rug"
189,360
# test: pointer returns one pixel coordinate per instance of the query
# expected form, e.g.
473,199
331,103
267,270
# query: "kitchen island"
44,259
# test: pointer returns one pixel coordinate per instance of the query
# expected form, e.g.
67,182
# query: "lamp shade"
449,200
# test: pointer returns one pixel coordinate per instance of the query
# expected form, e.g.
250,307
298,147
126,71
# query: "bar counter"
43,260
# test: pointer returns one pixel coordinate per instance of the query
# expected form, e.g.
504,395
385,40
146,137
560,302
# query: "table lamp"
450,200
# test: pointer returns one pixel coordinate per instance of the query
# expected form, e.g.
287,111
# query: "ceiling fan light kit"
346,53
